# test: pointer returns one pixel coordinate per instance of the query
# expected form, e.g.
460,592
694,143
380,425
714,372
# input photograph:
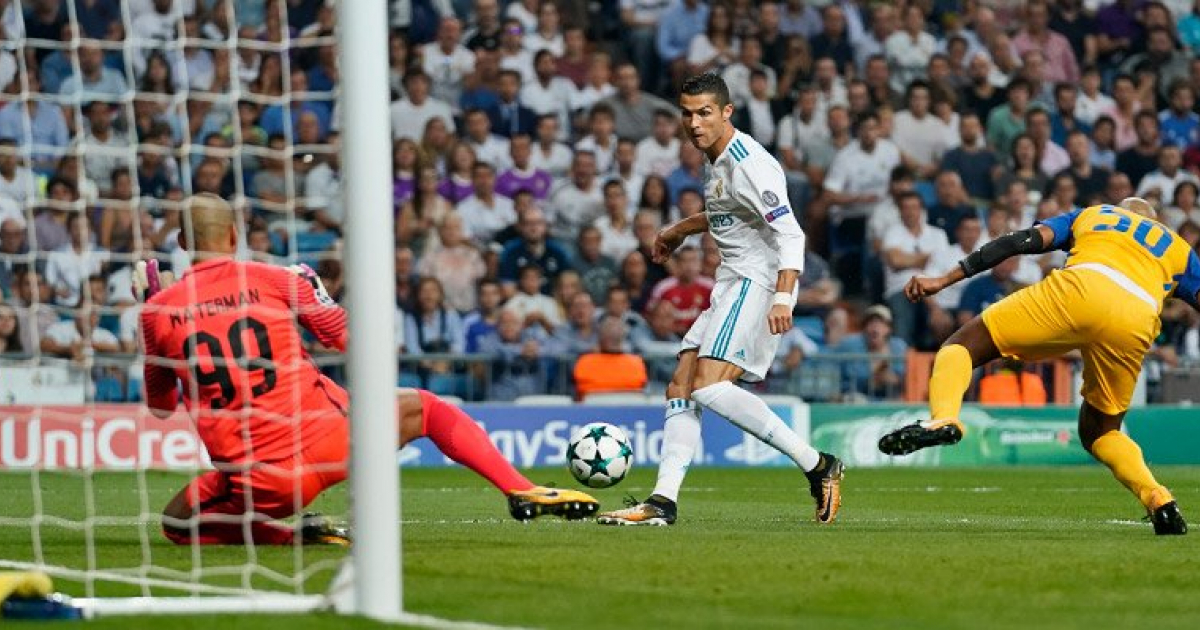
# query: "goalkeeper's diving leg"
423,414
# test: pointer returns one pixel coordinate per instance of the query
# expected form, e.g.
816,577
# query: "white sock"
681,436
754,417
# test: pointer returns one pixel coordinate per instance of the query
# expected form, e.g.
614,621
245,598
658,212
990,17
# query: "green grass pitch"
1011,548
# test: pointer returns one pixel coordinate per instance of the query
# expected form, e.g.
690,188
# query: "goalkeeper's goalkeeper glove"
148,281
307,274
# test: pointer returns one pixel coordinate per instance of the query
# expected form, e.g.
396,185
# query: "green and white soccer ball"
599,455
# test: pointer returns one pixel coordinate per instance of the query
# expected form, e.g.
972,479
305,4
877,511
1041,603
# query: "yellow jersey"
1150,260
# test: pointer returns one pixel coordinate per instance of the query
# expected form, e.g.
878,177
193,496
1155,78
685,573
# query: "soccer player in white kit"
762,255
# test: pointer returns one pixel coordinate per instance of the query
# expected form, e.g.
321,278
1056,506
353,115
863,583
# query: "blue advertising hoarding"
537,435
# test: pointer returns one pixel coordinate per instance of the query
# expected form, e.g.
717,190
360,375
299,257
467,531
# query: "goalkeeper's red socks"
462,440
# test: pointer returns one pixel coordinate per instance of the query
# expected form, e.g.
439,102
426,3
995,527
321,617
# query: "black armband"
1027,241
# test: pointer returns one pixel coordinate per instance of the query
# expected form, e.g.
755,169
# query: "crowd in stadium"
537,152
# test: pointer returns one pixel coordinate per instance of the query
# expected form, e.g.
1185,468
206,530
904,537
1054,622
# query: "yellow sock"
1124,458
951,377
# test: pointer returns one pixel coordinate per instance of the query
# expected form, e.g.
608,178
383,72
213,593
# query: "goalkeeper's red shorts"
277,489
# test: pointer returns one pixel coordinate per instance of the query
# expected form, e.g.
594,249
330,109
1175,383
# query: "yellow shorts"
1085,310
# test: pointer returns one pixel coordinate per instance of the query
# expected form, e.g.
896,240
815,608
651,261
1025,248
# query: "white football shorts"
734,328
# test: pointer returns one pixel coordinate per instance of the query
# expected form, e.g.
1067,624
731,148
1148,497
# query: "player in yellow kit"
1105,302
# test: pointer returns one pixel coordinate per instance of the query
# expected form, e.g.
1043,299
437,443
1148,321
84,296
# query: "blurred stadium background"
536,153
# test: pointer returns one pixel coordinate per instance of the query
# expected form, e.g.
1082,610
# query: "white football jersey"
749,215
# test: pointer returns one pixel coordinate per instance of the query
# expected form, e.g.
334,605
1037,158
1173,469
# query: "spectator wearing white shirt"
1167,176
549,154
410,114
523,12
872,43
488,146
546,34
1092,102
530,304
79,336
907,249
909,49
69,267
857,185
602,139
598,85
16,181
103,148
737,75
447,61
94,80
942,306
323,188
577,202
922,136
513,55
831,88
757,114
548,93
616,230
659,153
624,172
485,213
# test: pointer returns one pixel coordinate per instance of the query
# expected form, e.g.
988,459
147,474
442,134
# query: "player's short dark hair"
707,83
1063,86
1123,77
545,52
530,268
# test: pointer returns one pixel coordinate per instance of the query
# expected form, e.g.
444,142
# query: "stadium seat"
818,381
409,380
543,400
620,398
313,242
812,326
927,191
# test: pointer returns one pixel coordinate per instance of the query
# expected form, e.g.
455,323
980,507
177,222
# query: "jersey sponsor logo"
777,212
738,151
770,199
722,220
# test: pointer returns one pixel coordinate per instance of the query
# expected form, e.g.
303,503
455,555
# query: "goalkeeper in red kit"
224,337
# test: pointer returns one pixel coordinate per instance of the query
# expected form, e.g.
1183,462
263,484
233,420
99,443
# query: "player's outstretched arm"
672,236
1034,240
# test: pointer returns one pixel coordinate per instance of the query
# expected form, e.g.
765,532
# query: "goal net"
113,115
